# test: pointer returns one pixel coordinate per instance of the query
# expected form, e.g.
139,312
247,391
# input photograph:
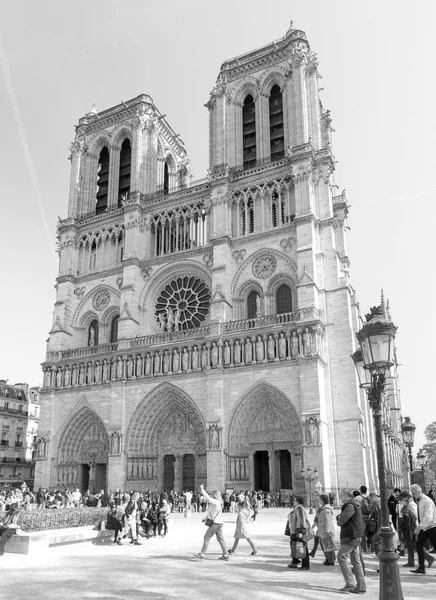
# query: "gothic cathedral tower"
202,330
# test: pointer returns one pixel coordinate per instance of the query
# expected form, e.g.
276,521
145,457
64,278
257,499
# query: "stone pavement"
164,568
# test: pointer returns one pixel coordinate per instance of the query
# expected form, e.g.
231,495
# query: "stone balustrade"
272,339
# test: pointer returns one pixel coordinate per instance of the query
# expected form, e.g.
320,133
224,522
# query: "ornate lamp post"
310,476
376,339
421,459
408,433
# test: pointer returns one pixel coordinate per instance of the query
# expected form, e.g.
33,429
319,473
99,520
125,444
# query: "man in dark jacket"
352,530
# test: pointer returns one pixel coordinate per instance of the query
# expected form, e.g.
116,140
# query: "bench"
36,541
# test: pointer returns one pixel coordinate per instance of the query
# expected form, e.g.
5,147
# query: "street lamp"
408,433
376,339
310,476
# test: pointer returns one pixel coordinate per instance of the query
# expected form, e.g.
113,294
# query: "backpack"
364,506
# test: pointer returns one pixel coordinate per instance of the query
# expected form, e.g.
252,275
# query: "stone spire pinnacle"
388,310
382,302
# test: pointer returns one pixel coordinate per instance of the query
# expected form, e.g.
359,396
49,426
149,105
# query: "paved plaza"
165,568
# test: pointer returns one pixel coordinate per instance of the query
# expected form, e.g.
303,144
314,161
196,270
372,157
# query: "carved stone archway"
264,421
82,453
165,429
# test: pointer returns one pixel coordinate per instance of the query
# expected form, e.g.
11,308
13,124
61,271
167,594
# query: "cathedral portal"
265,443
166,442
82,452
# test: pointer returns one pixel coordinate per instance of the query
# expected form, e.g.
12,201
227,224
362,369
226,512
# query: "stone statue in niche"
74,375
214,354
67,376
114,369
138,366
248,351
214,442
91,341
195,358
307,342
156,363
177,319
271,348
237,353
204,357
129,367
41,447
166,362
81,374
161,320
120,368
258,306
185,360
294,345
312,431
282,345
59,378
259,349
97,372
105,370
226,353
176,361
148,364
170,319
89,373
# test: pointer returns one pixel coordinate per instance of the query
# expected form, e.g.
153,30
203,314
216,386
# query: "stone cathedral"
202,330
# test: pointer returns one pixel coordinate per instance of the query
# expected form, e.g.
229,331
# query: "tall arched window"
125,168
93,256
166,183
93,333
249,132
114,329
276,129
102,181
283,299
252,305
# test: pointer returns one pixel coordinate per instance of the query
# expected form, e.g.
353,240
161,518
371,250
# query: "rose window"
182,304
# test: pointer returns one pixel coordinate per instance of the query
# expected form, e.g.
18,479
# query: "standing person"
243,527
326,530
164,513
299,526
9,525
215,516
131,512
426,525
392,505
365,508
113,523
352,530
374,522
407,518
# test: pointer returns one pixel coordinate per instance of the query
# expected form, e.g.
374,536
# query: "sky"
58,58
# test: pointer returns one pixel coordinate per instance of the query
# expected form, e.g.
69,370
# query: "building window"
283,299
125,169
93,333
4,440
249,132
276,129
102,181
6,405
93,256
20,408
252,305
114,329
166,183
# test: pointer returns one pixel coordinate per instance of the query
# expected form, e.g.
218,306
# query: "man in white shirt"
426,524
215,515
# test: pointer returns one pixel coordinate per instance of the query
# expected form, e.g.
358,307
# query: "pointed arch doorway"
265,441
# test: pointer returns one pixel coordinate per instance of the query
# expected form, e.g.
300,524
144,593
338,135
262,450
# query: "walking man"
426,524
352,530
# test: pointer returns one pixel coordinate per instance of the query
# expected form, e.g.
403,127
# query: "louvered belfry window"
102,181
125,169
276,130
249,132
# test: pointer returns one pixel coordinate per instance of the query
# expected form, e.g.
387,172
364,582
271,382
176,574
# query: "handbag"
287,530
210,522
298,549
308,536
371,525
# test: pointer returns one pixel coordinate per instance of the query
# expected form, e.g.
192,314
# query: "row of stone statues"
238,468
142,468
249,350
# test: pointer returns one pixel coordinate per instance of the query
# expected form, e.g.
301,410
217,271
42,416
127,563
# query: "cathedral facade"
202,330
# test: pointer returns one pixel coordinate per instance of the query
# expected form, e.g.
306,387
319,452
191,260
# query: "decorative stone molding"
287,244
101,300
239,256
264,266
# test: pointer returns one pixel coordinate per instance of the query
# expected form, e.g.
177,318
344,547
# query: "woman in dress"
243,527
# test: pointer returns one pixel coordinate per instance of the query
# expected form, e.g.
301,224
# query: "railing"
18,444
172,336
17,461
14,411
89,350
4,442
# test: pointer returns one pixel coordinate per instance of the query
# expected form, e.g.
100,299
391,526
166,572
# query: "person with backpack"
366,511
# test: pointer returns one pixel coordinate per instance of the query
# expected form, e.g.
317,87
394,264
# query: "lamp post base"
390,584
